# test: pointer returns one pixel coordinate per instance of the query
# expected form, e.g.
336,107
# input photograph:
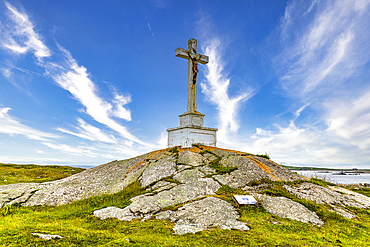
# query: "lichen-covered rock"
223,153
46,236
321,195
257,188
247,171
114,212
105,179
209,158
342,211
188,176
190,158
201,215
279,171
157,170
233,161
364,200
16,193
207,170
286,208
180,168
161,185
143,205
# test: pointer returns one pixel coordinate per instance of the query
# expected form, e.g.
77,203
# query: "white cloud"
119,111
30,160
6,72
71,150
21,38
27,38
323,50
289,138
216,91
75,79
89,132
305,146
351,120
9,125
162,142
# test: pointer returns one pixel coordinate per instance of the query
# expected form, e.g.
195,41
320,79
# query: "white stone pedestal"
191,131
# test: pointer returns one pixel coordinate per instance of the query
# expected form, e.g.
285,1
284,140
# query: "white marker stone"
244,199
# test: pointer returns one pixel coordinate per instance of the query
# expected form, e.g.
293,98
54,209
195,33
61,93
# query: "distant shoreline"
303,168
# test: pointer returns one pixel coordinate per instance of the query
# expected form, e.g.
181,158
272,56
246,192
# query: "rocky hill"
181,186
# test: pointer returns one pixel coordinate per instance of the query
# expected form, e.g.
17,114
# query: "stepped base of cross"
191,131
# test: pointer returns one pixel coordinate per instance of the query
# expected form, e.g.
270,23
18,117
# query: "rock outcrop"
205,214
286,208
187,180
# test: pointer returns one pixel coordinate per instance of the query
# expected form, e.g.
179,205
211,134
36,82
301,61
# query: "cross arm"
180,52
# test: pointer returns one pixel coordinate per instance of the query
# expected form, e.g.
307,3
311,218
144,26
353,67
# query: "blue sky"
87,82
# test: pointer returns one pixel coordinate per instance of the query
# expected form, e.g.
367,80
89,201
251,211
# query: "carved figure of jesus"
195,61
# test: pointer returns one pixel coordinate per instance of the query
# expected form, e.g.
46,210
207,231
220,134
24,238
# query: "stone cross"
193,58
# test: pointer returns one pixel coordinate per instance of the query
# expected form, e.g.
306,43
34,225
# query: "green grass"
76,223
10,173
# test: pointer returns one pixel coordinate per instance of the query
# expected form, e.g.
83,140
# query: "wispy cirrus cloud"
89,132
71,150
325,52
322,48
216,91
11,126
75,79
21,38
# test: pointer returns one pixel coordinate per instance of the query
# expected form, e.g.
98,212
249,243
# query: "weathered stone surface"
16,193
257,188
183,167
223,153
286,208
161,155
190,158
364,200
161,185
46,236
279,171
342,211
148,205
235,179
105,179
114,212
156,170
321,195
247,171
209,158
188,176
207,170
233,161
208,213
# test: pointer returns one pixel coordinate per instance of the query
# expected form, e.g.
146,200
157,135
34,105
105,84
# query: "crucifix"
193,59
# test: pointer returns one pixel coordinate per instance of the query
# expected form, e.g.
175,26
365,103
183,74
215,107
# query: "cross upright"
193,59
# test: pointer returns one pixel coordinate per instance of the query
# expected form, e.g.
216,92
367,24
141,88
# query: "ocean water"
337,179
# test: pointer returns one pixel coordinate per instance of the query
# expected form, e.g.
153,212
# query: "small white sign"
244,199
